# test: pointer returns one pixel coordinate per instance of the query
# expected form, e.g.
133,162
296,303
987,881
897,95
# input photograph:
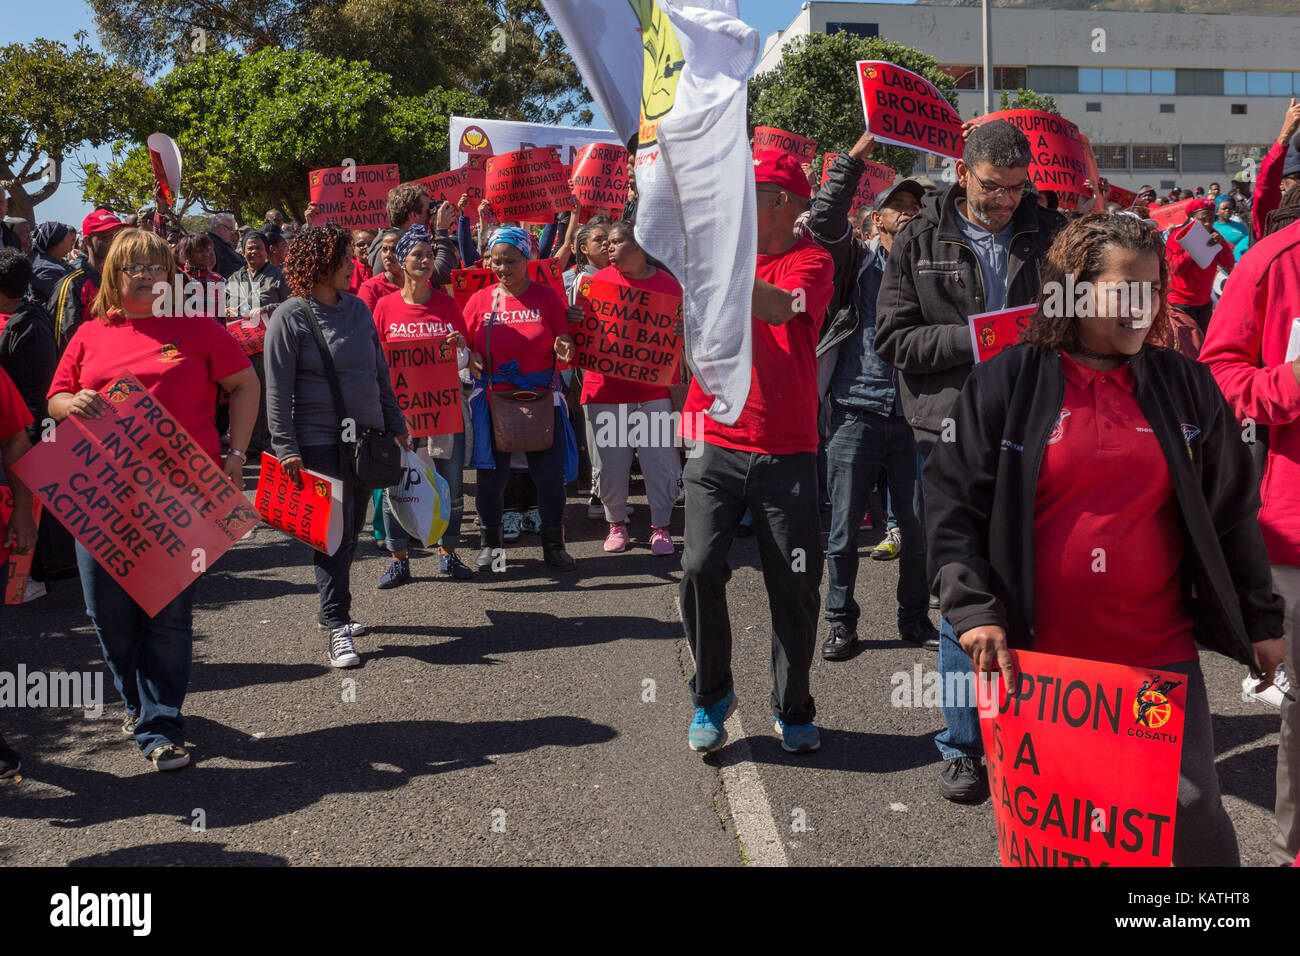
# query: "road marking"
751,813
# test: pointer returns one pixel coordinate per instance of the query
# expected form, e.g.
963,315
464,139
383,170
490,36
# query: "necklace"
1100,356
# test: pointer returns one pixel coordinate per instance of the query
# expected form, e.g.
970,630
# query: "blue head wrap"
519,238
406,242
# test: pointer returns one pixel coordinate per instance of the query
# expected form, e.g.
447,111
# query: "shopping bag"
421,503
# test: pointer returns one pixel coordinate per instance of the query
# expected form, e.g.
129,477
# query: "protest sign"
1170,214
874,181
310,509
1083,761
471,136
600,177
527,185
250,333
20,565
627,332
548,272
427,384
904,109
1201,244
355,197
1092,172
1057,147
165,157
991,332
800,147
465,282
139,494
467,181
1125,197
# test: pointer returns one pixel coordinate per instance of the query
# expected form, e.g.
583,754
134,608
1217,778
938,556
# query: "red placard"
20,565
874,181
1125,197
800,147
1170,214
250,333
310,509
466,181
527,185
427,384
1093,173
548,271
465,282
627,332
1083,761
905,109
355,197
139,493
1059,161
991,332
600,177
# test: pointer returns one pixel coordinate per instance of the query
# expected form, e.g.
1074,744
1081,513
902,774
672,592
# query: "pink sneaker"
617,540
661,542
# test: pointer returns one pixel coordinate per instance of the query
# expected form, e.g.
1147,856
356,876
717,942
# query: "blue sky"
23,22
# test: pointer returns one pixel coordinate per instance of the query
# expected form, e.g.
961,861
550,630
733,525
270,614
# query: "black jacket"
28,355
980,492
932,284
228,260
830,227
64,306
46,272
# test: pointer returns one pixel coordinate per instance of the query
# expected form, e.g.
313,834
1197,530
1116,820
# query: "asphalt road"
529,718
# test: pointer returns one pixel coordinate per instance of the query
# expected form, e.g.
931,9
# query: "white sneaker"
594,508
1270,695
342,653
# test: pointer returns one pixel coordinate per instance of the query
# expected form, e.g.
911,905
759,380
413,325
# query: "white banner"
494,137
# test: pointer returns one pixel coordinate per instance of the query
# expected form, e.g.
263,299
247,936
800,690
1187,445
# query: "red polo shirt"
1108,550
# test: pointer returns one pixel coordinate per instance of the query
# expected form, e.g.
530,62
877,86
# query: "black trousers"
780,491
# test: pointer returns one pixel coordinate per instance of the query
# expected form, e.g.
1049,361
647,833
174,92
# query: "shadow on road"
180,854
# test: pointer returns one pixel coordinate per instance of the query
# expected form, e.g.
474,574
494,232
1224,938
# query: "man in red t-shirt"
765,463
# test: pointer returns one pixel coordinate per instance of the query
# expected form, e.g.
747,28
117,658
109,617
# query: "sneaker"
922,634
661,542
342,653
934,602
707,732
451,566
510,522
353,628
10,762
398,573
617,539
866,522
532,522
128,724
889,548
594,508
839,643
34,589
169,757
798,738
961,780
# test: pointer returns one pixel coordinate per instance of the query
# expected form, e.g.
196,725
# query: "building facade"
1165,98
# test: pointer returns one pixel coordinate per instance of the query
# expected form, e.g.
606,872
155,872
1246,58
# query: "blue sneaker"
399,572
707,732
450,566
798,738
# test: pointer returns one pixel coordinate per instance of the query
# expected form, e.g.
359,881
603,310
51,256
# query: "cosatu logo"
1151,706
870,72
663,64
121,390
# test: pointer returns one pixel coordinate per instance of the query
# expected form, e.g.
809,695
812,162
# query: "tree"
251,128
814,91
1028,100
506,52
52,100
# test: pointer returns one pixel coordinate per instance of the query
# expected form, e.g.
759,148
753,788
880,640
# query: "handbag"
522,419
373,461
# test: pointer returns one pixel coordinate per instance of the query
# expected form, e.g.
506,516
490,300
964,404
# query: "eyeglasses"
994,190
140,268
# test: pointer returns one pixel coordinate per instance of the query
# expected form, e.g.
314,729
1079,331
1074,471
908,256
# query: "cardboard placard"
1083,761
250,333
627,332
904,109
1059,162
467,181
139,493
20,565
354,197
991,332
548,272
1170,214
600,178
1125,197
527,185
310,510
1198,243
427,383
800,147
875,180
465,282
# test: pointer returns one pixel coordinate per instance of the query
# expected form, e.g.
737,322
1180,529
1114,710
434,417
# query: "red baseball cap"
101,220
781,169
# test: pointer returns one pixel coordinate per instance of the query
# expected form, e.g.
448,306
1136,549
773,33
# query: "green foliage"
1028,100
814,91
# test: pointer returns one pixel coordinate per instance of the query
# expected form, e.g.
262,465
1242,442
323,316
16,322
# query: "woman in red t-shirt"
420,311
626,417
529,331
181,361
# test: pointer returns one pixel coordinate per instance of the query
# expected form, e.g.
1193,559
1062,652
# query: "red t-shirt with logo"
14,417
607,389
375,288
780,414
1108,549
525,329
435,319
179,360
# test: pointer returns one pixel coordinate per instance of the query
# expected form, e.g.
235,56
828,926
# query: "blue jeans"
861,444
961,736
334,571
451,469
149,657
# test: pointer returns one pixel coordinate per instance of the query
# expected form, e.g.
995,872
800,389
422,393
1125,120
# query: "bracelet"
243,457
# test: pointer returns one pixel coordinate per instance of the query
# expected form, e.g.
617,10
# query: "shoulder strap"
487,345
331,375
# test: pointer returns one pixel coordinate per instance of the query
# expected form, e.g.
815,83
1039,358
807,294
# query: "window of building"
1113,81
1090,80
1053,79
1279,84
857,29
1111,157
1166,107
1238,109
1092,107
1009,78
1162,81
1256,83
1167,184
1155,157
1190,82
966,77
1198,158
1234,82
1237,156
1138,81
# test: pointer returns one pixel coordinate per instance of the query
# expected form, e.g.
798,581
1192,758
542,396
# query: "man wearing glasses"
973,248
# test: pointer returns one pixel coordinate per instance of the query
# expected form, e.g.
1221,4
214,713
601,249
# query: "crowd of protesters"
1104,427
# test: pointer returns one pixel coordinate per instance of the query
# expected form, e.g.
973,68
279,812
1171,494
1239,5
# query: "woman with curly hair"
1086,443
305,427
